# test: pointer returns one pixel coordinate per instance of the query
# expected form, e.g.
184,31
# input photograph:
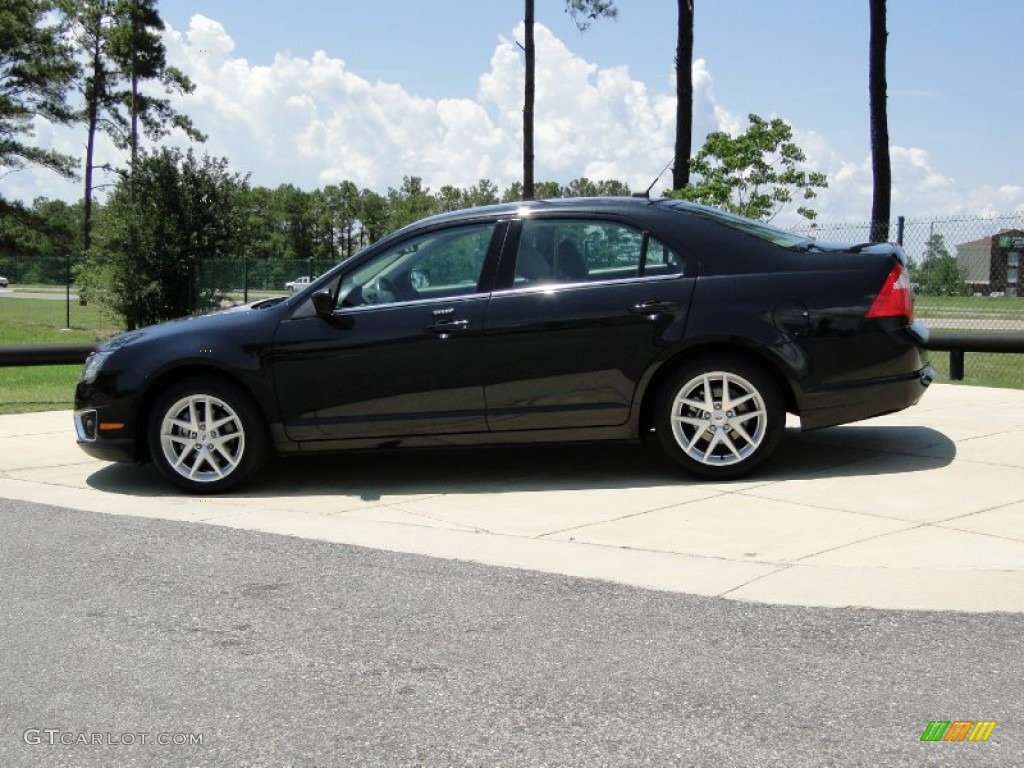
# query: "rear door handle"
653,308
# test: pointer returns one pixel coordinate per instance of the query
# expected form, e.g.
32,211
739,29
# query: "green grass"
983,369
42,321
982,312
38,388
1003,314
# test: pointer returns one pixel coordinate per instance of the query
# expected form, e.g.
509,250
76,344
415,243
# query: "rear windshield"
757,229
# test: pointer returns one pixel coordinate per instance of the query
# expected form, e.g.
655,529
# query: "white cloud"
919,190
313,121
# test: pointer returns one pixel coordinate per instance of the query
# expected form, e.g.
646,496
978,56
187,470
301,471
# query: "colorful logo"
958,730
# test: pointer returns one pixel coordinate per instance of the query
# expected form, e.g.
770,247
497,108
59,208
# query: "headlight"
93,363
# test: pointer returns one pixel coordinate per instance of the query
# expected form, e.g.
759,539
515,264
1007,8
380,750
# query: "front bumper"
104,427
99,440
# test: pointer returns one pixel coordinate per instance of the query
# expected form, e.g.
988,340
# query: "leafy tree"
484,192
35,241
322,232
148,250
410,203
36,70
373,212
450,198
296,222
684,95
549,189
50,230
881,168
584,187
582,12
342,201
513,193
939,273
259,222
754,174
581,187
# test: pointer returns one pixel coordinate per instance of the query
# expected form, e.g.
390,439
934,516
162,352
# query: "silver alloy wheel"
202,438
719,419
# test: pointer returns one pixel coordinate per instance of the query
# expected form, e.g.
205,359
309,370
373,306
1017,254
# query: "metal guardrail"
44,354
959,342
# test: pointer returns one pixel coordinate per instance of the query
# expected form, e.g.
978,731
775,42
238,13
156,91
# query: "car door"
400,354
573,326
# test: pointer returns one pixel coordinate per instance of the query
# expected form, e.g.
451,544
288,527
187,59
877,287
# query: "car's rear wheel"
207,436
719,417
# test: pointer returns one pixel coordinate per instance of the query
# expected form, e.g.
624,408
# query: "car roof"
557,204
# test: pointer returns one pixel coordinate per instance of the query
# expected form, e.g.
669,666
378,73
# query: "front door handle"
445,328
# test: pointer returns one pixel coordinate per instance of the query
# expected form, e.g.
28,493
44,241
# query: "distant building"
974,259
992,264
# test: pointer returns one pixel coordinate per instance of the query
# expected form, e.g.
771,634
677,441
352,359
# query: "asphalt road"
9,293
282,652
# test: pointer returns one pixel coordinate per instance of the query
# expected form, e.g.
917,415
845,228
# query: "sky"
313,92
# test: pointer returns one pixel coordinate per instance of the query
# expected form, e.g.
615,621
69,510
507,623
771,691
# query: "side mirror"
323,303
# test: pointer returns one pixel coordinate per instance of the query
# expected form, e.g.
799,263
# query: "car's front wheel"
207,436
719,418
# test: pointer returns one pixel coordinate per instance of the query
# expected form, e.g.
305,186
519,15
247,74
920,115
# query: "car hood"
238,317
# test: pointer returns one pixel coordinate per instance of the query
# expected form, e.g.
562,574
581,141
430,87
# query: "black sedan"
562,320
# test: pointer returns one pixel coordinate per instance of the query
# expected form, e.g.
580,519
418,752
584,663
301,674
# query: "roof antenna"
647,192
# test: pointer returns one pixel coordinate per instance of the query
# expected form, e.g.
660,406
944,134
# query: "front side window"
435,265
579,250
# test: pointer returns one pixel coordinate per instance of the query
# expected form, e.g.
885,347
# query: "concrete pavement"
922,510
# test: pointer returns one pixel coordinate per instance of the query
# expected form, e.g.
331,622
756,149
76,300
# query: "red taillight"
896,299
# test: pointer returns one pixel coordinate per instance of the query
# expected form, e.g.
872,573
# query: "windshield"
758,229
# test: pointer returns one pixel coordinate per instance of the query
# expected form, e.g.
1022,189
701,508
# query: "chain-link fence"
959,267
231,280
966,273
37,270
243,280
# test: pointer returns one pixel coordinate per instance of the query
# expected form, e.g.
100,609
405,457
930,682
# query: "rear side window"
757,229
581,250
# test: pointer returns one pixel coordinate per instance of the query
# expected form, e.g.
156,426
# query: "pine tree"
36,70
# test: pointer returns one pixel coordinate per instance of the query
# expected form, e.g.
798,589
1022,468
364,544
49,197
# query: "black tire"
719,417
202,458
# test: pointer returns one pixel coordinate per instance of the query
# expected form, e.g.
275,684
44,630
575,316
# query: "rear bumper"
864,399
